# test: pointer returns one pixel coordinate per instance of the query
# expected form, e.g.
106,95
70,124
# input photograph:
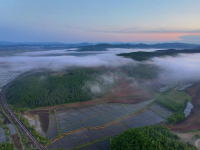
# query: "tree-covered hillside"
142,56
149,138
48,89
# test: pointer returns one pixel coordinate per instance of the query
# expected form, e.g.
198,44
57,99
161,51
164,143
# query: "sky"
76,21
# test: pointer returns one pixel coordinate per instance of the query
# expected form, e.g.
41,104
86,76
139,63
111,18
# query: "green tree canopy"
149,138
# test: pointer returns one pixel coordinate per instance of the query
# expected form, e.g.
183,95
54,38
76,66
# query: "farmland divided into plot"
94,119
2,135
52,131
93,116
160,110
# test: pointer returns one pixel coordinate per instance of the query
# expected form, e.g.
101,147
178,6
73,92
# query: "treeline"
174,106
175,101
48,89
176,117
149,138
142,56
172,99
7,146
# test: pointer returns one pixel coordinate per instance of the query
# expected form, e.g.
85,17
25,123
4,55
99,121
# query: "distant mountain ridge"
82,47
141,45
4,43
104,45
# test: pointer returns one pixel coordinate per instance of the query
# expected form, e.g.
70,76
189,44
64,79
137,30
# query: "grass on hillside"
173,99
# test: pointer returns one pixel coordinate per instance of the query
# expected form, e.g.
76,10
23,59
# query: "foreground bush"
7,146
149,138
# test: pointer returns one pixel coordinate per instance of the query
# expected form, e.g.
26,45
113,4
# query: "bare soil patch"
52,131
58,73
17,142
128,92
28,115
129,100
38,127
35,112
187,137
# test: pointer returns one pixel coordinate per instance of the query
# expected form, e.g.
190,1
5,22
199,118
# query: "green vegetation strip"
175,101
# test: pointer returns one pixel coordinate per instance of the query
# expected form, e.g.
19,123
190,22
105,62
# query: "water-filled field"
101,122
93,116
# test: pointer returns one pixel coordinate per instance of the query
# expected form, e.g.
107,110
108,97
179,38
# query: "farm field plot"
43,118
52,131
145,118
92,135
34,120
16,140
160,110
12,129
70,119
2,135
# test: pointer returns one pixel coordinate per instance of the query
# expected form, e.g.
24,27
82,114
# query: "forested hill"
22,47
48,89
149,138
142,56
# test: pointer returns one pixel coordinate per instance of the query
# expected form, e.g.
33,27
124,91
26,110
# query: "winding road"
21,125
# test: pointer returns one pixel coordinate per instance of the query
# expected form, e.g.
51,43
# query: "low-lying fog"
61,59
182,68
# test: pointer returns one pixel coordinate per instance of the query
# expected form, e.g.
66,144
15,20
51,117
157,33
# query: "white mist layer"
101,83
183,68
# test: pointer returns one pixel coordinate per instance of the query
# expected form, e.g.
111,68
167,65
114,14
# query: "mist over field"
36,60
102,83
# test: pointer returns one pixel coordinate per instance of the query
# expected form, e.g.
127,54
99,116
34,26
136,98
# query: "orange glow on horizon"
130,37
